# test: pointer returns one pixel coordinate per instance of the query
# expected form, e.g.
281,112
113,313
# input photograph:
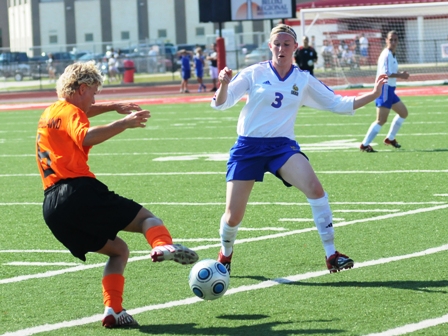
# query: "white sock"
323,219
395,127
371,133
228,237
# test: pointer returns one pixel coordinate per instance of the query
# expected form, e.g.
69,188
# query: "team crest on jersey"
295,90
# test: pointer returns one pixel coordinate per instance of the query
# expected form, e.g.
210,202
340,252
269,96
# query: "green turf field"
390,211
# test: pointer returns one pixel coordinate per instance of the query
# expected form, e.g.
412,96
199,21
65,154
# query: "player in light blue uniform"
266,142
387,64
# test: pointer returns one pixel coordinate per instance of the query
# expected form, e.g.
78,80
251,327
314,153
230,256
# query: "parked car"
91,57
60,61
258,55
14,64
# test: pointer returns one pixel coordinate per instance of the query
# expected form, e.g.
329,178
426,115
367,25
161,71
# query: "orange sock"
113,286
158,235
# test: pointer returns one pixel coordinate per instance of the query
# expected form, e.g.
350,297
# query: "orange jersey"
60,134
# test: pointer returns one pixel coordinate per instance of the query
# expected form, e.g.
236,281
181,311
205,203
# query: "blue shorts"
186,74
199,73
364,52
387,98
251,157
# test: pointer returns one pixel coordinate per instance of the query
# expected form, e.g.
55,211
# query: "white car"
258,55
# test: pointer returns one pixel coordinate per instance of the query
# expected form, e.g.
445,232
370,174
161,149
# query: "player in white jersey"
266,141
387,64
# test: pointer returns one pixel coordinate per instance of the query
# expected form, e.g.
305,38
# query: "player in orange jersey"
82,213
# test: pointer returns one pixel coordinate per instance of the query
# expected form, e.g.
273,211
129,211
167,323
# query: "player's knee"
315,190
404,114
233,219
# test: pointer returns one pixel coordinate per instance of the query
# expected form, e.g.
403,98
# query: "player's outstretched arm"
364,99
98,134
122,108
224,77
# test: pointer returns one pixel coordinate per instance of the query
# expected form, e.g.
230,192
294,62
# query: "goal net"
349,40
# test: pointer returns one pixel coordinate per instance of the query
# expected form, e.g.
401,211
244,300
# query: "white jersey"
273,102
387,64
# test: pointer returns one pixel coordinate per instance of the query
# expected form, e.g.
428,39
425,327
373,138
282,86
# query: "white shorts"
213,72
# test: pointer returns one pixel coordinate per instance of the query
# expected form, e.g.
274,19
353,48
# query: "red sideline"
166,94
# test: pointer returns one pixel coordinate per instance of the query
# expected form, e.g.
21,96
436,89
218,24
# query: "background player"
387,64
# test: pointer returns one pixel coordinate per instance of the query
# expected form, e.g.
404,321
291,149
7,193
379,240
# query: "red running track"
164,94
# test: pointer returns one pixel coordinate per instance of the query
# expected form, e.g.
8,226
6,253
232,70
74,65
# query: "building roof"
345,3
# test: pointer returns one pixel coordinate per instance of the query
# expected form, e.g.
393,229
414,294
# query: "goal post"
345,60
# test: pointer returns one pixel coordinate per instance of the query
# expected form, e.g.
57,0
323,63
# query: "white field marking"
26,263
178,240
346,172
231,291
34,251
295,220
382,171
413,327
205,247
67,251
371,210
251,203
304,219
262,229
319,136
115,154
361,123
440,195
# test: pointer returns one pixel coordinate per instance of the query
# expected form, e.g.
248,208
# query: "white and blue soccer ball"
209,279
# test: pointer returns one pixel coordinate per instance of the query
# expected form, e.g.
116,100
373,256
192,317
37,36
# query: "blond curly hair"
76,74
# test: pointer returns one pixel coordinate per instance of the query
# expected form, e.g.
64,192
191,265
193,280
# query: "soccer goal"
350,39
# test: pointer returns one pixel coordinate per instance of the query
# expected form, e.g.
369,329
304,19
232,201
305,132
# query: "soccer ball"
310,63
209,279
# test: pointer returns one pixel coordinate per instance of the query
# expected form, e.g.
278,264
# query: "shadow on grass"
258,330
421,286
404,151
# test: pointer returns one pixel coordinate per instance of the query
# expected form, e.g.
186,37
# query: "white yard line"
417,171
253,203
413,327
36,263
239,241
265,284
261,285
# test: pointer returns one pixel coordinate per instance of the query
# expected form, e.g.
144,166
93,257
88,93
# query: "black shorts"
83,214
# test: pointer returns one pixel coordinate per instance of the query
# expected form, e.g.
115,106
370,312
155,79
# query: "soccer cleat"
338,261
226,261
393,143
367,149
121,320
179,253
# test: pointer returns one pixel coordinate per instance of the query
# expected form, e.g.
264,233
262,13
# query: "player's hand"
405,75
137,119
225,75
127,108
